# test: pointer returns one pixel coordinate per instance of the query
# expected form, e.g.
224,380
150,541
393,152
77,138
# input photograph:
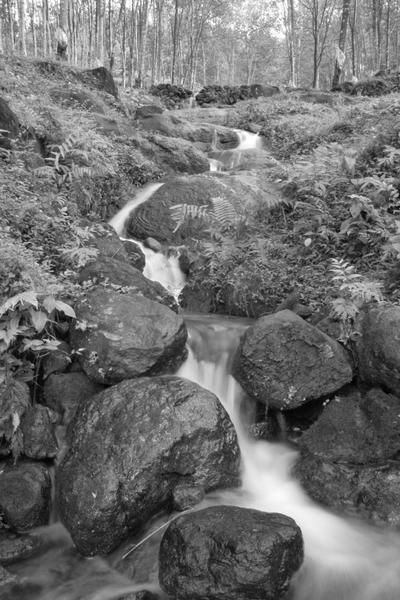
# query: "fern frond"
224,212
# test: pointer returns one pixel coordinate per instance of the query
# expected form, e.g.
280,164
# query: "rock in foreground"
230,553
130,446
283,361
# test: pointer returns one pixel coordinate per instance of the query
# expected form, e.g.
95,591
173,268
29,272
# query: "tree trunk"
21,24
175,41
342,43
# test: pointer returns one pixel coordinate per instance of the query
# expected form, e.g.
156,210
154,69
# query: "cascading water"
158,267
344,559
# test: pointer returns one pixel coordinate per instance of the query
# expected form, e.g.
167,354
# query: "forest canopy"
201,42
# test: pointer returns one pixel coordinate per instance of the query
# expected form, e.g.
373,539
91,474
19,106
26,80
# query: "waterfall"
344,559
158,267
247,140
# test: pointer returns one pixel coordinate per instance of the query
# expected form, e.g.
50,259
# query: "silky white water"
158,267
344,559
247,140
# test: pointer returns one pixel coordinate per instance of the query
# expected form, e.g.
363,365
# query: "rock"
148,110
123,274
135,254
101,79
64,392
284,362
217,94
173,154
349,456
172,96
25,495
153,244
16,547
316,97
110,245
131,446
356,431
126,335
74,97
37,425
378,348
227,552
8,123
205,134
153,217
186,496
57,361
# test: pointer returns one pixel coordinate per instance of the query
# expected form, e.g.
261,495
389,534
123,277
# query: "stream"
344,559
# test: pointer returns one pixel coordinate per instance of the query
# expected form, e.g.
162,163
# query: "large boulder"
99,78
25,490
173,155
124,335
202,133
15,547
130,446
230,553
284,362
378,347
122,274
153,217
349,456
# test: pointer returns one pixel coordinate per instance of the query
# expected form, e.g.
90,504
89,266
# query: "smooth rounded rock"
229,553
284,362
124,335
130,447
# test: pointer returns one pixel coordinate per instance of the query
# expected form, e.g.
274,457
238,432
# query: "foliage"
354,291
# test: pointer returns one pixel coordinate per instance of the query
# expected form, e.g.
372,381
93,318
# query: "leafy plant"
354,291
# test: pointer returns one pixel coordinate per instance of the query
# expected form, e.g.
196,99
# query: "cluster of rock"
382,83
227,94
172,96
350,440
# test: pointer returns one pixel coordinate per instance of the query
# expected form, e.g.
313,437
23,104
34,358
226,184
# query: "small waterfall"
344,559
215,165
247,140
158,267
118,221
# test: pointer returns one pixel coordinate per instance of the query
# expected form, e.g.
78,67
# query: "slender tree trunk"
174,41
387,36
342,44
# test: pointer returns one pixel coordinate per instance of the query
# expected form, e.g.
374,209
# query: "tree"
342,44
289,20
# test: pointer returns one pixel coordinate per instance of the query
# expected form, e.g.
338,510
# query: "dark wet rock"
186,495
227,552
25,495
74,97
109,245
135,254
356,431
130,447
126,335
284,362
153,218
8,123
148,110
37,426
17,547
64,392
350,456
57,361
205,134
153,244
172,154
378,347
122,274
370,492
